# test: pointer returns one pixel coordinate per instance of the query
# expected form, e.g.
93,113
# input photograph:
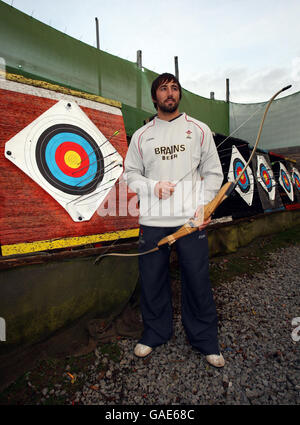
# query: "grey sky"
256,44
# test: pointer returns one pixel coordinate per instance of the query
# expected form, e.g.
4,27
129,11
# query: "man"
173,166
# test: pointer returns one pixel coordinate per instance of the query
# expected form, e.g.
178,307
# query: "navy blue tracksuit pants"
198,311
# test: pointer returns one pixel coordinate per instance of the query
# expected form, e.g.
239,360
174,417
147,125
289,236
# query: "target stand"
68,156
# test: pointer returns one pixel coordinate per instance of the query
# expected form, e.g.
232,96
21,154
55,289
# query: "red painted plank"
27,212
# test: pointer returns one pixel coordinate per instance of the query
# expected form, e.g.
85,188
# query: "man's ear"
154,102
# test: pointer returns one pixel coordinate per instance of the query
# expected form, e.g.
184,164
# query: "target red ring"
243,183
243,179
76,168
266,177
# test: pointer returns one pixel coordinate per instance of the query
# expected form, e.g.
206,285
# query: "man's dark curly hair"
163,78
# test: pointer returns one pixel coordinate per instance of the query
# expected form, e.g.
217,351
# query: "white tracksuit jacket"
181,151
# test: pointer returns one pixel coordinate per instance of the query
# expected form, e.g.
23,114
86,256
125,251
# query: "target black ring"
40,155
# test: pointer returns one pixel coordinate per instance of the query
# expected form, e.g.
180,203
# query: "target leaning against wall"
265,176
285,181
296,178
68,156
245,186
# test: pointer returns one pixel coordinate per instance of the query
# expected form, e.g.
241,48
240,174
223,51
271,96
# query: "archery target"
245,183
265,176
69,159
285,181
296,178
68,156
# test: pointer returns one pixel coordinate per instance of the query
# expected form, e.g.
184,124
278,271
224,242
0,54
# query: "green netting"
36,50
281,127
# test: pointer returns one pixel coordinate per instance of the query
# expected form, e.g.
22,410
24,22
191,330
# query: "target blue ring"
91,176
50,151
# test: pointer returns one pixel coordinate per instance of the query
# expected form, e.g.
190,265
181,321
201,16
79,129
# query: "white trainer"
216,360
142,350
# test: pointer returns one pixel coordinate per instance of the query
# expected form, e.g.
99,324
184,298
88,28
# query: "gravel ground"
255,334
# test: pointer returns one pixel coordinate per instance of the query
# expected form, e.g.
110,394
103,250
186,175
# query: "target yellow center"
72,159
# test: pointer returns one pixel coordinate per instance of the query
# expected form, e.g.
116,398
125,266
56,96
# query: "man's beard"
168,108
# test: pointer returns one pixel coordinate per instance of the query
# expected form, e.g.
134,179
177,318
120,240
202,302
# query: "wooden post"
139,58
98,62
97,33
227,90
139,79
176,67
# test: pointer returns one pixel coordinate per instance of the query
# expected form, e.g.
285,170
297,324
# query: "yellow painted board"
60,89
28,247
